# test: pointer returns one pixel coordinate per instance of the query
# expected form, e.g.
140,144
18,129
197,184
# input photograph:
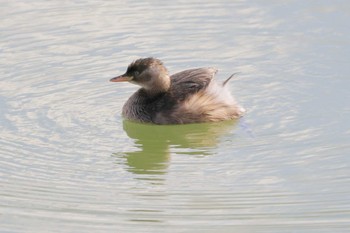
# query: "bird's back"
194,96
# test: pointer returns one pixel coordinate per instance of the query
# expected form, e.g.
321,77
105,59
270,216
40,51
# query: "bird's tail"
226,81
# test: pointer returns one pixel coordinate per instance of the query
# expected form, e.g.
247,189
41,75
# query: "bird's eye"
136,73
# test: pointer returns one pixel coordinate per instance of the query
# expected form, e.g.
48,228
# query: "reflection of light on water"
186,136
155,143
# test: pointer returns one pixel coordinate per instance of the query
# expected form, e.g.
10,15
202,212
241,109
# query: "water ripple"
70,163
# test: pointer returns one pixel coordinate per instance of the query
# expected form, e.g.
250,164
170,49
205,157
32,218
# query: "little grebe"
190,96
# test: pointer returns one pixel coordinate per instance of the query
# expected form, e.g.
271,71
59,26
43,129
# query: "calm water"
70,164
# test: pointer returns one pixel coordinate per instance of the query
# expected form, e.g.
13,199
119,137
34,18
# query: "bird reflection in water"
156,143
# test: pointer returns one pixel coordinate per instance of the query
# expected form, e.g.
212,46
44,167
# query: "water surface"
69,163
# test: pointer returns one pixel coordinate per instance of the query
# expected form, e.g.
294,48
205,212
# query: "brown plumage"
190,96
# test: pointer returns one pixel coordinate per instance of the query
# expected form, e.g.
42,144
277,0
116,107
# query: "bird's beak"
121,78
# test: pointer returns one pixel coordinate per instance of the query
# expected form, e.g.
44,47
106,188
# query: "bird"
189,96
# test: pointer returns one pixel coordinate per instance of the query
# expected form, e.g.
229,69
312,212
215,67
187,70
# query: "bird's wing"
191,81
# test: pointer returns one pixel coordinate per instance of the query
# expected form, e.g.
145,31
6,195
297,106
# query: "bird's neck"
160,85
